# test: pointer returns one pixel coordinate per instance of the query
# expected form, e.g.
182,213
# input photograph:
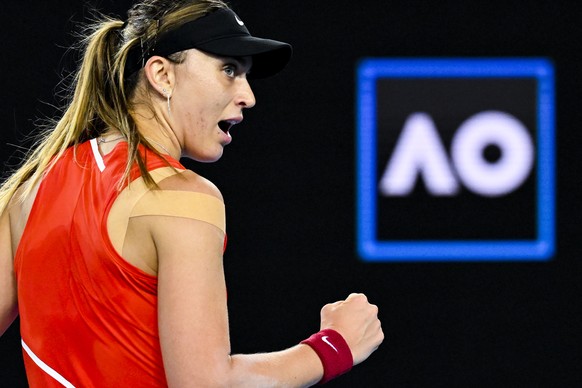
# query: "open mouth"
225,125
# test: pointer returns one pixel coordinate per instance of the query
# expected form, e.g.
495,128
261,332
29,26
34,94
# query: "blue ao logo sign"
455,159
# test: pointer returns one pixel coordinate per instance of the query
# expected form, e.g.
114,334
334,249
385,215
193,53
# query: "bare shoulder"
188,180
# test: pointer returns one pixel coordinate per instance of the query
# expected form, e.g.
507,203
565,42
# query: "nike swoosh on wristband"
325,339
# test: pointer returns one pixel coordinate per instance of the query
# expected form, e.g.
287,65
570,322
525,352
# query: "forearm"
298,366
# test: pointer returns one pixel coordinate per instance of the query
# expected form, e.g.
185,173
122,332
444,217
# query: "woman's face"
209,96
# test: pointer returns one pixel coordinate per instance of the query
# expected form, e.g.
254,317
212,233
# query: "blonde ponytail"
102,92
88,113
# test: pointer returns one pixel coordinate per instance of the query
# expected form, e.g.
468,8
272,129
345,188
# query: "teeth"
226,125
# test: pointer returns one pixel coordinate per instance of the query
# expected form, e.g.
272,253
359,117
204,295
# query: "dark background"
289,182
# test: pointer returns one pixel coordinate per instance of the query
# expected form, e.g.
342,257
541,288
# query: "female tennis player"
111,250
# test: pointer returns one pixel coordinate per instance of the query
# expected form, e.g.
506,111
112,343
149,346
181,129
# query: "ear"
159,72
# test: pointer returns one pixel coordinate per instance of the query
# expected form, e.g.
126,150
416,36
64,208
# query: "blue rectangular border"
372,250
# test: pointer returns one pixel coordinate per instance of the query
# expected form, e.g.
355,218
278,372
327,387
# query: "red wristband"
334,352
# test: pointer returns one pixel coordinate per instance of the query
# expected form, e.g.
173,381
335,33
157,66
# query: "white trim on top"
50,371
97,154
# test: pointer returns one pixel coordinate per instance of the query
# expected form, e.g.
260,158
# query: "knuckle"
358,297
381,336
329,307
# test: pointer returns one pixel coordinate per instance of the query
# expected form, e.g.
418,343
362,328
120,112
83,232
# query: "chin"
205,158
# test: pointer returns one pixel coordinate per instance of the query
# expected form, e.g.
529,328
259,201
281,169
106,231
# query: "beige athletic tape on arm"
118,220
186,204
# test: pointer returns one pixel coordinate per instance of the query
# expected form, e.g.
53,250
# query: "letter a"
419,151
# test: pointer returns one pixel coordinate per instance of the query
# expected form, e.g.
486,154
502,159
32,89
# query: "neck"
158,145
157,131
108,140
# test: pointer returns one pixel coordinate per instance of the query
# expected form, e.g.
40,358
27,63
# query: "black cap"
221,33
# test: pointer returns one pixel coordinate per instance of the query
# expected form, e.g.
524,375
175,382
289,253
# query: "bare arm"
193,317
8,298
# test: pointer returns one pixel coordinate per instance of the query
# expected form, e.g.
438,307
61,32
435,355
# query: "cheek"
202,121
199,110
198,122
190,115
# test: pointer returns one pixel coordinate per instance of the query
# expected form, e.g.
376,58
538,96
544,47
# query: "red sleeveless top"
88,318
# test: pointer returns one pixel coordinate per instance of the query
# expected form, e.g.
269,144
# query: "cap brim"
269,56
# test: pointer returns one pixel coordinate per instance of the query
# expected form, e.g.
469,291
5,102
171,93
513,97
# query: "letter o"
510,170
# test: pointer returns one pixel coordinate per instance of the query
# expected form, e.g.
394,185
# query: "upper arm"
192,314
8,294
12,223
192,309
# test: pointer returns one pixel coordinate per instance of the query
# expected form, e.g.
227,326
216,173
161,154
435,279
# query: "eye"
230,70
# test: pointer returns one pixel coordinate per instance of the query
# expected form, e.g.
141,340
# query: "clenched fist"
357,321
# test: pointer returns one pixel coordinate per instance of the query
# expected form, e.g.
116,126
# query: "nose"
245,97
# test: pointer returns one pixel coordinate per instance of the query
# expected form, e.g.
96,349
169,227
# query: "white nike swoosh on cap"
240,22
